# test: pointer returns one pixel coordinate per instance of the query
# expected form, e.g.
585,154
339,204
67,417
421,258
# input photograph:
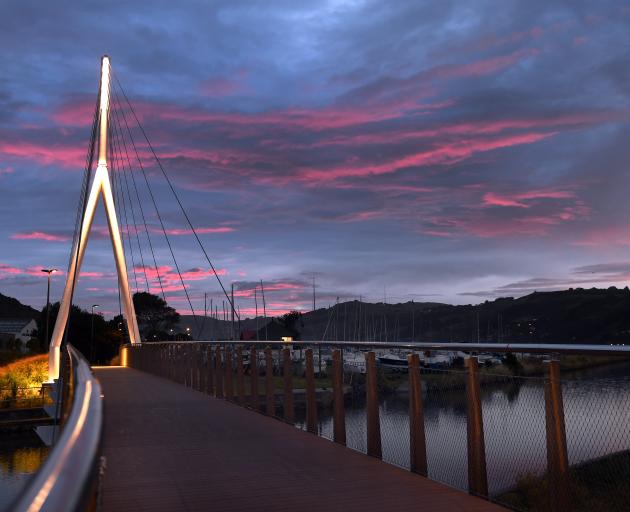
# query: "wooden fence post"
477,475
229,388
311,399
270,409
287,372
218,372
253,372
373,417
209,371
240,379
417,440
557,458
339,413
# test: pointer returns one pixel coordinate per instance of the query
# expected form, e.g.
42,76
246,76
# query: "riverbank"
601,484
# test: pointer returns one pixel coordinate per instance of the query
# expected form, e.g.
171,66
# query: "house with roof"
17,332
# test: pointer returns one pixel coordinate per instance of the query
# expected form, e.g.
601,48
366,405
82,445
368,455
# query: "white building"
18,329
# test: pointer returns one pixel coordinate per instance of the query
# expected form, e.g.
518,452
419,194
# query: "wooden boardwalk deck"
170,448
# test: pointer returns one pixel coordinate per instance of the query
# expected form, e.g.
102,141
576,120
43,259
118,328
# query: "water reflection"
597,413
20,457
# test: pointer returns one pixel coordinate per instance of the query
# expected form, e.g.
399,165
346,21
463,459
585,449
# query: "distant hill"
569,316
13,308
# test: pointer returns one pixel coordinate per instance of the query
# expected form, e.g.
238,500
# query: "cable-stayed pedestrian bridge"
298,425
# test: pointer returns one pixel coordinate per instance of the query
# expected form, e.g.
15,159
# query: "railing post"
182,363
209,371
339,417
477,475
287,373
373,418
417,440
240,379
557,458
229,389
270,409
253,371
218,372
198,367
203,383
311,400
189,365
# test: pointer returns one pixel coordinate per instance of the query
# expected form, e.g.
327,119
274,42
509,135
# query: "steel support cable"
176,196
113,160
122,170
135,186
89,162
157,211
115,172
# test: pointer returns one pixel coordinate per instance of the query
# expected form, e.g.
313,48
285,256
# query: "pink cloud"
442,153
222,87
8,271
170,279
479,225
46,154
40,235
519,200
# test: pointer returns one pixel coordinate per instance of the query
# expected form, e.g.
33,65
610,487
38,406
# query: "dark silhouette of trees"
155,316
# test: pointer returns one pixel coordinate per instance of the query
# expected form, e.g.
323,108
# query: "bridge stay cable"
116,186
192,228
80,214
122,172
159,216
137,194
122,176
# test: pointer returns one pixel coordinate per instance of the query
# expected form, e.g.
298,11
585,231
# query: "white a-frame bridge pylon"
100,184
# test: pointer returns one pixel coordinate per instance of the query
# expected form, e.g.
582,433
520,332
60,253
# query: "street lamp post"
92,334
48,271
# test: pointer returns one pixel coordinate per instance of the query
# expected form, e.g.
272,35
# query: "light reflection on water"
597,413
20,457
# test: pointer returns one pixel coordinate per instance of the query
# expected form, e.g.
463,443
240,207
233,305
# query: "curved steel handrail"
64,481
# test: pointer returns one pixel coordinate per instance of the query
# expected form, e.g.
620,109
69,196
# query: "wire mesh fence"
23,397
508,429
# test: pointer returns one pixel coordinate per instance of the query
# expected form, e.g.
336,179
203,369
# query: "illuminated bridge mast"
100,184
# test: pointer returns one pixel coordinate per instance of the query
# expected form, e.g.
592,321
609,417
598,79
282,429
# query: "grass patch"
21,381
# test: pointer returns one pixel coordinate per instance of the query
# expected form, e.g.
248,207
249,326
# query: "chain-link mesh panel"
514,428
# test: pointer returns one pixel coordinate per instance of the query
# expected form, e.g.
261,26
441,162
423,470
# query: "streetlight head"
94,306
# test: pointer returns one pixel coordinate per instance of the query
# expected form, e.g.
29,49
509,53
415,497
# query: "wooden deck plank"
171,448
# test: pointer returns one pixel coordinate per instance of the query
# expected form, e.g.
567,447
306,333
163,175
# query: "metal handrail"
64,482
528,348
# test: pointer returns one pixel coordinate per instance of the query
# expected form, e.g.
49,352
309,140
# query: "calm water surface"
597,415
20,457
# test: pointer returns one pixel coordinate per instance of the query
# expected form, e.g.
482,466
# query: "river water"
597,415
20,457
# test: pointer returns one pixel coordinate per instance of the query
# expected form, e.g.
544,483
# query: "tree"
155,316
290,319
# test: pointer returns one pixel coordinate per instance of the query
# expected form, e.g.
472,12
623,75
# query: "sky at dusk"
429,151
